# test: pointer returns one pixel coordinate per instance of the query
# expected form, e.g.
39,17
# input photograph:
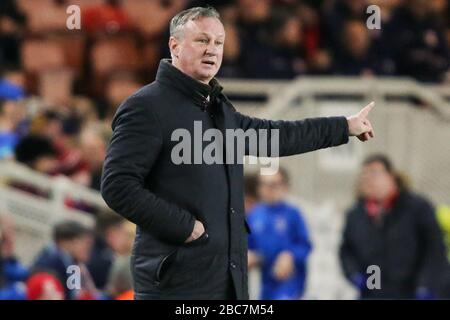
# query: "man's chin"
206,77
209,72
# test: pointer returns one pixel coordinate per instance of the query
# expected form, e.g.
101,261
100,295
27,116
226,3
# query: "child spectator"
278,241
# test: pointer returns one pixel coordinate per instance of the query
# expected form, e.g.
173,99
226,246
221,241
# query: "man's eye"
219,43
203,40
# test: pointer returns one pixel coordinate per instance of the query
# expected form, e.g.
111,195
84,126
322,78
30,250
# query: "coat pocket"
164,265
204,238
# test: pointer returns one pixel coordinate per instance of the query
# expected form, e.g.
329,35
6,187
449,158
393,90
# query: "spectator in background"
443,217
112,239
12,273
253,18
93,149
70,158
119,86
250,191
356,55
318,57
48,124
440,9
281,53
12,25
418,42
396,230
107,18
71,246
12,113
8,124
120,283
37,153
69,144
232,53
334,16
279,240
44,286
10,87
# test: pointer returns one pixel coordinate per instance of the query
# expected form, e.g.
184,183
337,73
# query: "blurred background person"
279,241
356,55
118,87
251,197
38,153
281,50
44,286
12,113
443,216
113,238
395,229
72,243
120,281
93,149
334,16
12,272
12,27
418,41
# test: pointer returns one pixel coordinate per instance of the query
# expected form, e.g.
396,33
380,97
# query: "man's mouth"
210,63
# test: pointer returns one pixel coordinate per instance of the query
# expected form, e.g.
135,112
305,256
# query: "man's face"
376,182
80,248
272,188
120,238
357,38
198,48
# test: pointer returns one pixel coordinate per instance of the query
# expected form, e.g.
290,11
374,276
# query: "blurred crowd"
120,42
80,263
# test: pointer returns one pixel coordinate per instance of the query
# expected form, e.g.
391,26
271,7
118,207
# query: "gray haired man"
191,240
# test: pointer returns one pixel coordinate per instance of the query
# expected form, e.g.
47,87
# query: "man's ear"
174,46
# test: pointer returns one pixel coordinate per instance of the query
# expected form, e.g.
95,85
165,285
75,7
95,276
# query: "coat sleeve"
295,137
134,147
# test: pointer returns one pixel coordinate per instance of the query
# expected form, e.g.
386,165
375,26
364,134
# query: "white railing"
34,216
281,94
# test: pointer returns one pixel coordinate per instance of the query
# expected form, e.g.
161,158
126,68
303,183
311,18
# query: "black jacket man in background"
191,240
395,229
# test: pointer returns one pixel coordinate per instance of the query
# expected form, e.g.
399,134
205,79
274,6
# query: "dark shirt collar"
202,94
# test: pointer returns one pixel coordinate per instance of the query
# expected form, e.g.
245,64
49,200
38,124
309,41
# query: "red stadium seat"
113,54
149,16
41,55
46,17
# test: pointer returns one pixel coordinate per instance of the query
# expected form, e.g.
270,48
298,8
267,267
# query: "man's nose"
211,50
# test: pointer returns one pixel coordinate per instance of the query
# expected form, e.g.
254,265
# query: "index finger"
365,111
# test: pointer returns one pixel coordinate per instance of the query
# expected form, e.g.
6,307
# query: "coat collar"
200,93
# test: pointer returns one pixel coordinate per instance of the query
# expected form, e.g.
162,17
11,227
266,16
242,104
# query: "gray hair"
178,22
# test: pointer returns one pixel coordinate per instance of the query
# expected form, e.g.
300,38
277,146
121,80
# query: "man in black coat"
191,237
395,230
